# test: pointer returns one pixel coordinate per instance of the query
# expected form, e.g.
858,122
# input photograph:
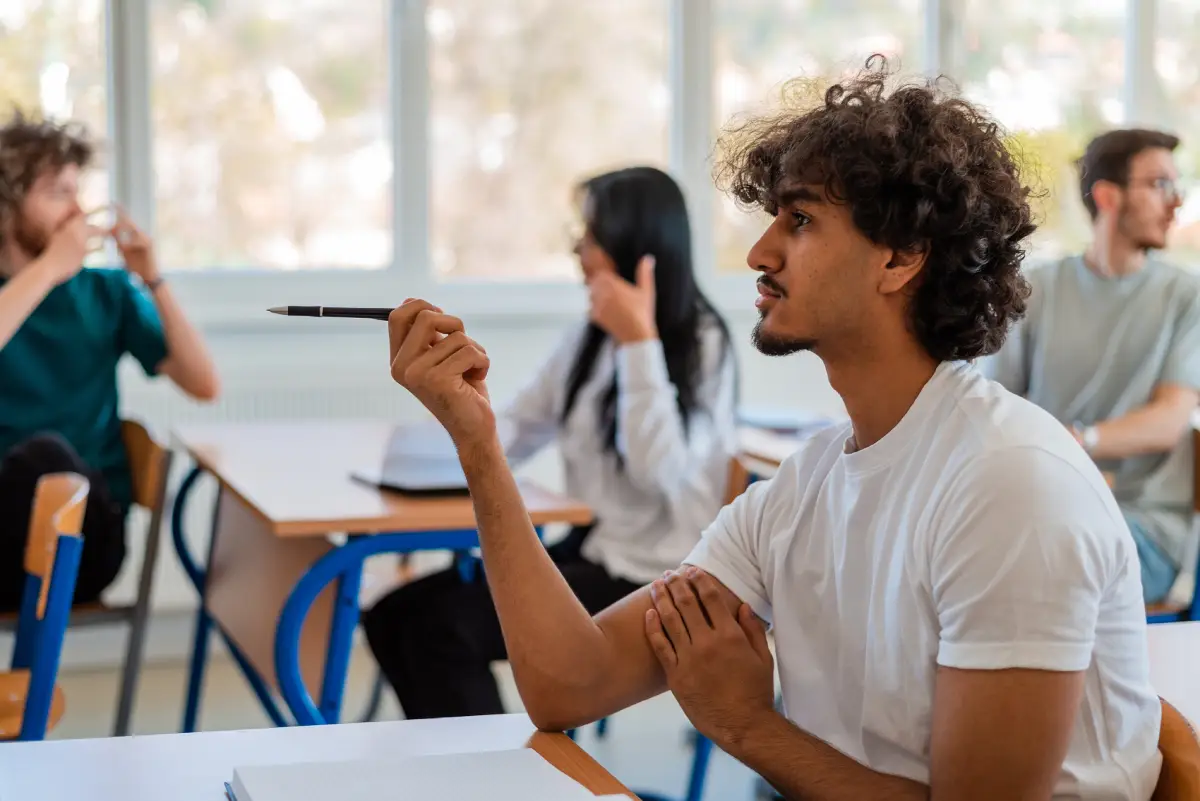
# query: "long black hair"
631,213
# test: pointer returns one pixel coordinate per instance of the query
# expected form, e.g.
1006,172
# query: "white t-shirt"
976,535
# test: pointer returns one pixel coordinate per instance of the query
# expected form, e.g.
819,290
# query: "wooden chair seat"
14,686
1180,777
1165,609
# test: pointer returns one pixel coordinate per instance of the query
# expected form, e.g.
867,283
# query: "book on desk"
515,775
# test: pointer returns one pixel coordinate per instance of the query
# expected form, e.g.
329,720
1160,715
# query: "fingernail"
692,572
649,615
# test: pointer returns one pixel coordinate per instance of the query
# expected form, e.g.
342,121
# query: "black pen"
331,311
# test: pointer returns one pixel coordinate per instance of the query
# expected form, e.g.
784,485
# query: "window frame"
238,298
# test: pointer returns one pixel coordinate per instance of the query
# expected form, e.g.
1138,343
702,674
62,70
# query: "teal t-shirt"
59,371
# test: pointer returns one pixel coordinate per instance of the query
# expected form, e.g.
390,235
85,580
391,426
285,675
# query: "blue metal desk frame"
343,565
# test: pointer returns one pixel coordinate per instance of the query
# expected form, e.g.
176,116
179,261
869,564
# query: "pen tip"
278,310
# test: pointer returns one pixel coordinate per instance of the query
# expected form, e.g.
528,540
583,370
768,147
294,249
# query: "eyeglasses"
1169,188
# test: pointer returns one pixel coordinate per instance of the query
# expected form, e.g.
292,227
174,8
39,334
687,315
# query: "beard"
773,345
30,237
1141,236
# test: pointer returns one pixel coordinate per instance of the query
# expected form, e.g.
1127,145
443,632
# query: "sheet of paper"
517,775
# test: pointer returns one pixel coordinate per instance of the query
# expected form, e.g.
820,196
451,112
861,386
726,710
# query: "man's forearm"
188,362
19,296
804,768
1153,428
557,651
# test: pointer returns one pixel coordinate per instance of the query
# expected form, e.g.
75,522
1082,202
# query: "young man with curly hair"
62,331
1111,346
954,595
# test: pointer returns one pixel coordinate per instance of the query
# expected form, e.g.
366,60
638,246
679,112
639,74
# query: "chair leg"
602,728
196,671
375,701
136,646
700,760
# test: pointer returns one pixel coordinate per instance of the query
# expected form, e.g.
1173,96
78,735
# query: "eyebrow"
797,194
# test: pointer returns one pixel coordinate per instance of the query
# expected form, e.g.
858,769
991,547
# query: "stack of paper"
517,775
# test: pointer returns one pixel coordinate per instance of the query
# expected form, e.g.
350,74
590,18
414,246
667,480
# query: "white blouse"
651,505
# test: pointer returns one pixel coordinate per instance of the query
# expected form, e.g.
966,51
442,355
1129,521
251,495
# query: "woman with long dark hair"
641,400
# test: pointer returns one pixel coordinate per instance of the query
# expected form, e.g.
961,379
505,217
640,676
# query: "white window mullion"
939,38
130,129
691,135
410,110
1141,90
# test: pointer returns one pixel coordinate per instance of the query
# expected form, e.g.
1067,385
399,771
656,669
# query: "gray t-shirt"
1093,348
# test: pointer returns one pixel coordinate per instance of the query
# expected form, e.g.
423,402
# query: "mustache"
770,285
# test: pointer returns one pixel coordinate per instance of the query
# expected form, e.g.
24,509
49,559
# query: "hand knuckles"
412,375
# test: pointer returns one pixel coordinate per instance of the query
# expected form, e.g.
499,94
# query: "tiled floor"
646,746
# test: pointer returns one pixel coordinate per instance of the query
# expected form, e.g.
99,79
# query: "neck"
879,385
1113,256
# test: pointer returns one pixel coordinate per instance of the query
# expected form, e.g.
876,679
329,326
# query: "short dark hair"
919,169
29,147
1108,155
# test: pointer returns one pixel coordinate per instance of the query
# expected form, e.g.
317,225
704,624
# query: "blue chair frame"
39,640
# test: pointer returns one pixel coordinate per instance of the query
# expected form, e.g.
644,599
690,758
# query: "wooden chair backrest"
1180,777
59,503
147,464
739,477
1196,470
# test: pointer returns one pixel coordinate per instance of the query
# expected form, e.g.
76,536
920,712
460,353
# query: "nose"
764,255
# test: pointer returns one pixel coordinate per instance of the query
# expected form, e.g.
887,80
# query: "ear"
902,268
1106,195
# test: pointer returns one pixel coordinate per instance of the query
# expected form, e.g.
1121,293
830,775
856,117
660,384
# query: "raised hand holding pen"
434,359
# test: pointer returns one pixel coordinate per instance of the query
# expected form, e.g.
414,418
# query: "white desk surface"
1175,665
194,767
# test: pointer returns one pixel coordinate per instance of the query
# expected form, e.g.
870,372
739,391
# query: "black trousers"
436,638
103,521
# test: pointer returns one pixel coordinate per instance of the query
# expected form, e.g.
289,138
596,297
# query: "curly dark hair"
920,170
29,147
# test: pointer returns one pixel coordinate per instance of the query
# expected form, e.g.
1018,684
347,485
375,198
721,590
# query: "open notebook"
516,775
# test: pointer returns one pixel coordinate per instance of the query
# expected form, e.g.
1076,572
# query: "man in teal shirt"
1110,345
63,330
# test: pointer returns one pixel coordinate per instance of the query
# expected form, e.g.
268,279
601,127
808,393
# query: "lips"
767,289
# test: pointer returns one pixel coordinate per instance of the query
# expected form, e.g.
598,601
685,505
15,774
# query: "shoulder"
101,288
1010,446
104,282
1041,273
810,462
1179,284
1028,488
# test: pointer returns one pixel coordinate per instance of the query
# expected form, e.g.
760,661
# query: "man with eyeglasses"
1111,346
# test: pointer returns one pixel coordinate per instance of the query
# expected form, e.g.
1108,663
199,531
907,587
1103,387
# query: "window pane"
1052,74
1179,110
529,97
52,64
271,145
762,43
